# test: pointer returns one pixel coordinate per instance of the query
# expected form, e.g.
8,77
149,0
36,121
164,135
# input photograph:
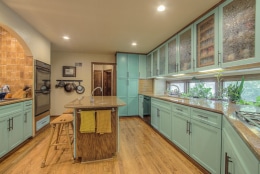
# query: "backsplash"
16,69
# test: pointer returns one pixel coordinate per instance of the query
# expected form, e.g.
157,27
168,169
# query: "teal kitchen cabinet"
186,50
141,106
11,120
198,134
155,64
161,116
27,120
206,42
142,66
180,52
149,66
237,158
239,35
180,126
172,56
127,82
205,142
163,60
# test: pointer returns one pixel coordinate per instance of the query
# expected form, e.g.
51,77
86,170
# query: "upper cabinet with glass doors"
162,59
155,63
186,58
149,66
206,38
172,56
239,21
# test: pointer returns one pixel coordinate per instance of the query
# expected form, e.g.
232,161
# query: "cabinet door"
206,34
172,56
186,58
132,109
165,122
133,66
122,91
3,136
142,67
162,60
155,116
149,66
180,134
155,63
16,133
238,32
122,63
205,145
141,106
27,121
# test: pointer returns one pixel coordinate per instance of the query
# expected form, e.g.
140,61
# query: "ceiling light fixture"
161,8
134,43
66,37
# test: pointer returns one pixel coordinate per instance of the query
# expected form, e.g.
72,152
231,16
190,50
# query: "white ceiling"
107,26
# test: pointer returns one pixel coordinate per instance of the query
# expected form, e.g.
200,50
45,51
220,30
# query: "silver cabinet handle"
187,127
25,117
179,109
204,117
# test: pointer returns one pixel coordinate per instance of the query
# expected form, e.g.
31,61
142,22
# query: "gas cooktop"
251,118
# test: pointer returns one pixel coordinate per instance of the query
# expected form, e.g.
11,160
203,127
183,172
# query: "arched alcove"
16,61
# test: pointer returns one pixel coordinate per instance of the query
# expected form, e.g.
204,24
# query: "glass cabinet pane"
172,56
155,63
205,42
162,60
148,66
185,50
239,30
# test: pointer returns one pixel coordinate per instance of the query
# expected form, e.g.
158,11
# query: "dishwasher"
147,105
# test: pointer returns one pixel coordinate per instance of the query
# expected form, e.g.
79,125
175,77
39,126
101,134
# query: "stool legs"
49,145
68,139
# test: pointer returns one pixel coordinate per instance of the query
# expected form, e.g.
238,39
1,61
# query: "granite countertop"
248,134
99,102
13,100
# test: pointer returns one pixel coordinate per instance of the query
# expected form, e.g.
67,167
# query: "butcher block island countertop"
95,127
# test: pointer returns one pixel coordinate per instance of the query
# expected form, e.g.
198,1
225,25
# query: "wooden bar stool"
60,124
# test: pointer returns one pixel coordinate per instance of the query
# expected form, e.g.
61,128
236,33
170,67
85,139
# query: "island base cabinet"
205,146
95,146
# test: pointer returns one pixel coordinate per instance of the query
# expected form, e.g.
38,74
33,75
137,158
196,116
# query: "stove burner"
252,118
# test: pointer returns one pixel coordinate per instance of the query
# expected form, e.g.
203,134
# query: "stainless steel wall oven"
42,87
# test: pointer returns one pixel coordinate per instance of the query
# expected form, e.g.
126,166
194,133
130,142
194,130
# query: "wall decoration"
69,71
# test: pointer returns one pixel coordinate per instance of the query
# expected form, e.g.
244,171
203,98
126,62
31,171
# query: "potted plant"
234,91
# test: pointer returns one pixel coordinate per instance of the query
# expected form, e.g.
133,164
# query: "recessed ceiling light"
161,8
134,43
66,37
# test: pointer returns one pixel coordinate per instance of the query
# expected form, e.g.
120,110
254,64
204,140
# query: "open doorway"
103,75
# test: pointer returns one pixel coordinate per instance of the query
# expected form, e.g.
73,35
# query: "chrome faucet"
176,91
92,98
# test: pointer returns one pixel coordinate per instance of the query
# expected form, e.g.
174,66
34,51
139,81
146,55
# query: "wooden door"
97,82
107,82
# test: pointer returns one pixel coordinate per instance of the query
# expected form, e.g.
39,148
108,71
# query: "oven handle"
43,92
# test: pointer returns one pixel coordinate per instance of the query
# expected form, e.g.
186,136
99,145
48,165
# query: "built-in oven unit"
42,91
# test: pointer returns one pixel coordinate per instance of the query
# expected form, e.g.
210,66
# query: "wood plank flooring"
141,150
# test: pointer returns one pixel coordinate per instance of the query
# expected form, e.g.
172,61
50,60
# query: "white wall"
59,97
33,42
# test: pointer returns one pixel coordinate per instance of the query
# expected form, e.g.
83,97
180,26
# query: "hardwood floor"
142,150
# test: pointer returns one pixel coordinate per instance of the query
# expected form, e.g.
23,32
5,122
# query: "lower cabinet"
141,106
194,133
27,120
161,116
12,126
237,158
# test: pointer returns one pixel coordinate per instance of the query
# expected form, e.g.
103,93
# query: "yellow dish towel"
104,121
87,124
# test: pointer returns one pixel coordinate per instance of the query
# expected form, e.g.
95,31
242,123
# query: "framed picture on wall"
69,71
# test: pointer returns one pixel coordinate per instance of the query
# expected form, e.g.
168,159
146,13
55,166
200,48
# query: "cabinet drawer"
16,107
161,103
181,109
207,117
27,104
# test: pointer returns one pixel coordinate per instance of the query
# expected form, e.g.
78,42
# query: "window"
206,84
180,85
251,89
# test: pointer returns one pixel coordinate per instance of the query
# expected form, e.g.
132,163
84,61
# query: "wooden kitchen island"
95,146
